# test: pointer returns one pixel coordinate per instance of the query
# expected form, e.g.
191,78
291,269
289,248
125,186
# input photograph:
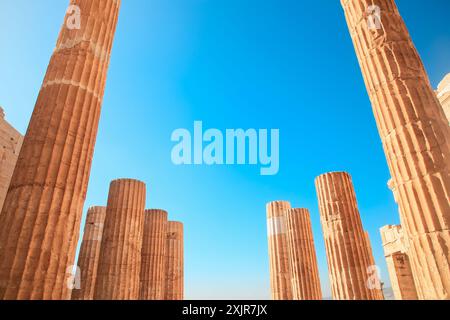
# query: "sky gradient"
287,65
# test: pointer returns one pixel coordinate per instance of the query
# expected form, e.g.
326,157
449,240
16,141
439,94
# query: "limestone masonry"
10,144
399,267
90,253
119,266
416,139
349,261
38,240
153,255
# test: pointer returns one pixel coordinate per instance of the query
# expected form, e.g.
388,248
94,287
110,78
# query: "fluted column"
415,136
153,255
302,252
280,271
375,270
397,260
345,243
40,222
120,254
90,253
174,266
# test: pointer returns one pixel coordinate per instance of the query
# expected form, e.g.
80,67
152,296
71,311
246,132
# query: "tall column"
345,243
153,255
374,269
415,136
120,253
399,267
90,253
302,253
39,226
174,267
280,271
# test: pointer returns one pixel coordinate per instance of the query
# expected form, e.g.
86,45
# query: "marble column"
348,258
302,252
280,269
39,225
119,264
174,267
90,253
415,136
152,279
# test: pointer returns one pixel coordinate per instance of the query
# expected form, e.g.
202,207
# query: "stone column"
40,223
153,255
415,135
174,267
375,271
345,243
399,267
90,253
120,254
302,253
280,271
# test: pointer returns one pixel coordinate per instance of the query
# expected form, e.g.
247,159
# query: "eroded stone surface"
415,135
349,263
90,253
39,225
280,271
119,264
10,144
174,266
443,93
152,276
399,267
302,254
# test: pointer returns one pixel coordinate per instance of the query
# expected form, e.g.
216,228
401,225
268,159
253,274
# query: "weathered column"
280,270
345,243
120,253
153,255
399,267
174,266
374,270
302,252
90,253
39,226
415,136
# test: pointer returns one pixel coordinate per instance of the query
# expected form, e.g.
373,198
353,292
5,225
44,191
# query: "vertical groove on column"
347,254
120,254
377,294
40,222
152,279
302,253
280,273
415,136
90,253
174,266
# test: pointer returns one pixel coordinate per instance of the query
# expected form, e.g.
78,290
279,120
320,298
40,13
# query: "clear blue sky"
285,64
